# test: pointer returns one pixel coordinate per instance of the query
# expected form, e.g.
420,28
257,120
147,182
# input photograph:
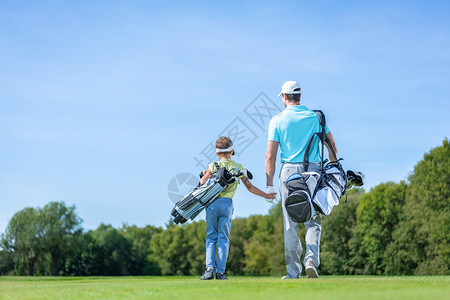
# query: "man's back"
292,129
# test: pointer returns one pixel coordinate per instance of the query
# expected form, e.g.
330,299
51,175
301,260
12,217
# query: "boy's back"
229,164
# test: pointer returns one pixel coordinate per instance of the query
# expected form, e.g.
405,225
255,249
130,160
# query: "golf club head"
355,178
246,173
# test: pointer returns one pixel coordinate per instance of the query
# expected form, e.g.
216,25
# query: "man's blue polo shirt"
293,128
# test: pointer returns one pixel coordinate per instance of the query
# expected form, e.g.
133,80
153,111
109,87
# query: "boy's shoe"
208,275
287,277
311,271
221,276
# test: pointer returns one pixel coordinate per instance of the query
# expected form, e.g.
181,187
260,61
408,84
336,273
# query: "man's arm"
333,144
271,156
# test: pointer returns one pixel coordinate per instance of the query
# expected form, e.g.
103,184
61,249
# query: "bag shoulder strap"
321,135
323,138
321,117
216,164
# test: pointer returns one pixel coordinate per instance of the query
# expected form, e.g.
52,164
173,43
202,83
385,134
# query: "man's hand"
270,191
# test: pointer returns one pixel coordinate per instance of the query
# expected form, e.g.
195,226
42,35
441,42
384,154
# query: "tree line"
394,229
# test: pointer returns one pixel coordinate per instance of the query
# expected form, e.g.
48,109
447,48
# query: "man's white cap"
290,87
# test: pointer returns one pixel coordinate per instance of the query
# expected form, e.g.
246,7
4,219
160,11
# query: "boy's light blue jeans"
218,226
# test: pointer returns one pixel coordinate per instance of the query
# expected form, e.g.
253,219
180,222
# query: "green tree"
337,230
264,250
6,262
59,230
169,250
423,237
107,252
239,234
378,215
196,234
21,240
140,238
43,241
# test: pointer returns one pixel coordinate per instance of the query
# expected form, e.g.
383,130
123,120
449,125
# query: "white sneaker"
311,271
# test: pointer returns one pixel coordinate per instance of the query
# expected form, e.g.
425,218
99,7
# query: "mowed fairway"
327,287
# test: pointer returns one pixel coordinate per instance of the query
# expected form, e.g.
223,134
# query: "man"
291,130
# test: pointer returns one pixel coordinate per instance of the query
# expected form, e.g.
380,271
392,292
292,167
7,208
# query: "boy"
219,213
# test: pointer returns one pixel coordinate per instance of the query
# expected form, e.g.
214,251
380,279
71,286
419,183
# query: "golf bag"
198,199
309,192
299,204
331,187
333,184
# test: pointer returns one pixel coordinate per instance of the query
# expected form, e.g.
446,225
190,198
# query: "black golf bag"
311,192
198,199
299,201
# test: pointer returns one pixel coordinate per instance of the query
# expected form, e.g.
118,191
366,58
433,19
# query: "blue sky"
103,103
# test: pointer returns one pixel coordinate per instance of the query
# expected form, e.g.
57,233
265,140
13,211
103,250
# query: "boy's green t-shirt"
229,164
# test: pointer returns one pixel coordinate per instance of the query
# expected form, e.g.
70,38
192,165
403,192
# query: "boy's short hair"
224,143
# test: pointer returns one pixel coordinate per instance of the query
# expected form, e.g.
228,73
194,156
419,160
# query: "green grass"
327,287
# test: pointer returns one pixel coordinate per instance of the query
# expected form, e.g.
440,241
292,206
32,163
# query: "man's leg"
292,246
312,239
292,250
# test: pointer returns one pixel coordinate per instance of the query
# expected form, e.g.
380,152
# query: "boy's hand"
271,197
270,191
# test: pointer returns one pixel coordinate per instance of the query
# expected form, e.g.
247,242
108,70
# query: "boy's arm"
206,174
254,190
